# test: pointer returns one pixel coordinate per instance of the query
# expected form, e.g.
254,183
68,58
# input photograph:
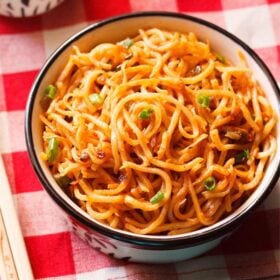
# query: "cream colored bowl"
122,244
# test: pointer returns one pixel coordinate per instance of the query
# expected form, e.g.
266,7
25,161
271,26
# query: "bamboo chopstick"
14,262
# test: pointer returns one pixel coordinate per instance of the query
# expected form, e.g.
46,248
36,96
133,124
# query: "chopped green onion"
95,99
242,156
203,100
158,197
52,151
145,114
63,181
126,43
210,183
50,91
221,58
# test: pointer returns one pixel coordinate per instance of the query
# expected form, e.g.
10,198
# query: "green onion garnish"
95,99
221,58
126,43
50,91
158,197
210,183
242,156
52,151
203,100
145,114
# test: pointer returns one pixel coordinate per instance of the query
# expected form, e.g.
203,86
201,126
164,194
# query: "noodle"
157,134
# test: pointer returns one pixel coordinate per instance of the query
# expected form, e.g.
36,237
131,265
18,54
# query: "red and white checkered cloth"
252,252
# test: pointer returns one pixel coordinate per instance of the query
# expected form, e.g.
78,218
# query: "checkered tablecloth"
252,252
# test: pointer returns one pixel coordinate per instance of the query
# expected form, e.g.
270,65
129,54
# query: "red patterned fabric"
252,252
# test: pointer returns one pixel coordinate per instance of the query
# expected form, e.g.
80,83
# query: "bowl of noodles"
157,133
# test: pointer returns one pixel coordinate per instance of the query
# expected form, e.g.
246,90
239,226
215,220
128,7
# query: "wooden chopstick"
14,261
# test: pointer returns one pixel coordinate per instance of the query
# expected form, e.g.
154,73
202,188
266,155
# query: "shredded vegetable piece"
50,91
221,58
127,43
145,114
158,197
203,100
95,99
52,151
210,183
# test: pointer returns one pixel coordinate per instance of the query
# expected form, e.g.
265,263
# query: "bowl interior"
115,30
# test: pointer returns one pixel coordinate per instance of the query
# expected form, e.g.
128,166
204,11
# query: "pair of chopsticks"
14,262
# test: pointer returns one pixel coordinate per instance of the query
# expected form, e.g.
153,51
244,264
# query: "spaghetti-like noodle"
157,134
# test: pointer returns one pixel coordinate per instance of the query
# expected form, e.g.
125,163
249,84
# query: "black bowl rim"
147,242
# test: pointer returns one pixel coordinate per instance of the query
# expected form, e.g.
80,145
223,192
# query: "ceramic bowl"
26,8
121,244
